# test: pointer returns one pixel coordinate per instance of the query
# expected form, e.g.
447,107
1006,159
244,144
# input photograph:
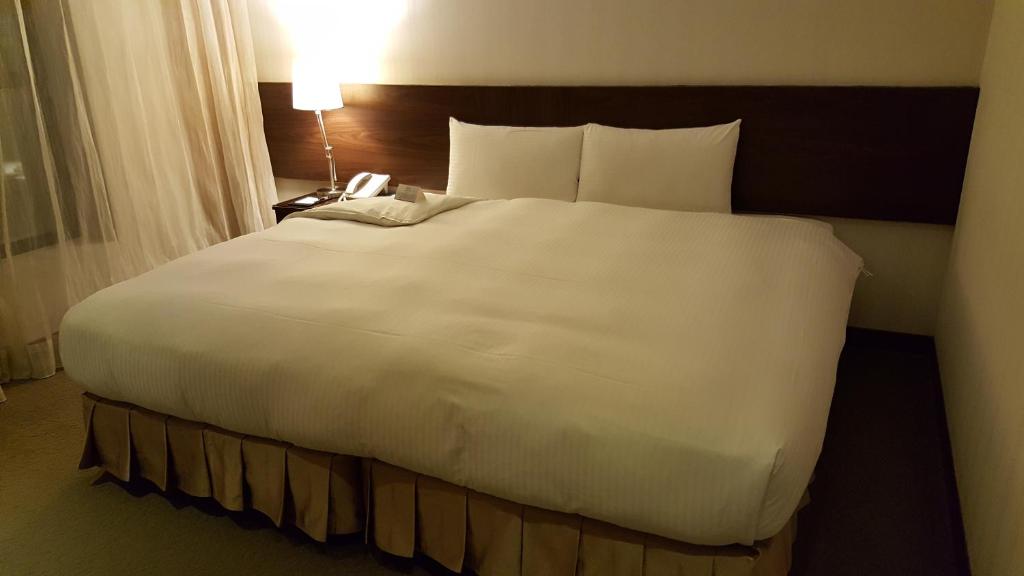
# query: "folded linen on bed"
386,210
667,372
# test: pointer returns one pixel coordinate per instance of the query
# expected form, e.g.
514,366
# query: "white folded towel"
386,210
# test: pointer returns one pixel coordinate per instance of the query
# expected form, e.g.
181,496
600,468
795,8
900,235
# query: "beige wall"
981,324
629,42
906,264
872,42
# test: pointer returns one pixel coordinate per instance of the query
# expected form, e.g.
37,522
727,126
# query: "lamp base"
327,193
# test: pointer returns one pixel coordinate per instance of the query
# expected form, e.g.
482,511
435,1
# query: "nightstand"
283,209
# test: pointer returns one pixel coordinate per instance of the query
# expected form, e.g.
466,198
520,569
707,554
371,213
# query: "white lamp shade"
314,88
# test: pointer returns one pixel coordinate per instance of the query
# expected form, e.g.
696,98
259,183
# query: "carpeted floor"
57,520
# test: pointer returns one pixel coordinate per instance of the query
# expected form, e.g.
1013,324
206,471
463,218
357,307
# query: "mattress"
668,372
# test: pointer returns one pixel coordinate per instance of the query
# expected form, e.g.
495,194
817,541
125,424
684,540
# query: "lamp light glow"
314,87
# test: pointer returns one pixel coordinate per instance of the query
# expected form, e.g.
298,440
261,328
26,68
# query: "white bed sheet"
668,372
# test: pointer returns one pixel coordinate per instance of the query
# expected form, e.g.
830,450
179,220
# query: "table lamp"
316,91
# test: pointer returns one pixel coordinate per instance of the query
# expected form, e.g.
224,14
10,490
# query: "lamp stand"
333,191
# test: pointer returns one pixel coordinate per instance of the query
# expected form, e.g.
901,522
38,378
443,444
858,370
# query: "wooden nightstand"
283,209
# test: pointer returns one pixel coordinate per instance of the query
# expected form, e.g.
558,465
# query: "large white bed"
669,372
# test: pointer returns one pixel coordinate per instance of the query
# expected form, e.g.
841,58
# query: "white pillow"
680,169
510,162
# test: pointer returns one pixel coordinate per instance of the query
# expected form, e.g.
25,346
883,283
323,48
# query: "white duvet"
669,372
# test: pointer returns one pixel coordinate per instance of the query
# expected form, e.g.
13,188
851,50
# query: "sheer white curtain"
131,134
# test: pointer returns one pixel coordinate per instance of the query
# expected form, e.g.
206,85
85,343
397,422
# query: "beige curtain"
131,134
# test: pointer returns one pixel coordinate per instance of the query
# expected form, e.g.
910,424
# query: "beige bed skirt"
400,511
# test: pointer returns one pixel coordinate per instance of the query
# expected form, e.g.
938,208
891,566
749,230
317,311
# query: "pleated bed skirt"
399,511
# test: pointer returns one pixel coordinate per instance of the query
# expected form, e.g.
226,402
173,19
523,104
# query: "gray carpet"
55,519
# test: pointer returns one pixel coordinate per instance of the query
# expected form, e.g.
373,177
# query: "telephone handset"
365,185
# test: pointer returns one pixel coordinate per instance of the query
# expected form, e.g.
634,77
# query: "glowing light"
347,39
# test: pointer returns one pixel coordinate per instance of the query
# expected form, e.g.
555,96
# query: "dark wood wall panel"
858,152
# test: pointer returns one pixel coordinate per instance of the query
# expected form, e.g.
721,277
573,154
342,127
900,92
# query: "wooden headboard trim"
859,152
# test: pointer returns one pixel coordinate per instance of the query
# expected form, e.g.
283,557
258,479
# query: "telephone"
365,185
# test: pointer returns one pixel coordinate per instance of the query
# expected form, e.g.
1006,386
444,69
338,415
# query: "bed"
654,381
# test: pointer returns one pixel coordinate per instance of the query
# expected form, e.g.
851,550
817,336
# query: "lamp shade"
314,88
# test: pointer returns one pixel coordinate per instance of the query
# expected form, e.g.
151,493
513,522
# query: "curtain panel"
132,134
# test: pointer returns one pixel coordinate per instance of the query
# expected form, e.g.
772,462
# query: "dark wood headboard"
857,152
